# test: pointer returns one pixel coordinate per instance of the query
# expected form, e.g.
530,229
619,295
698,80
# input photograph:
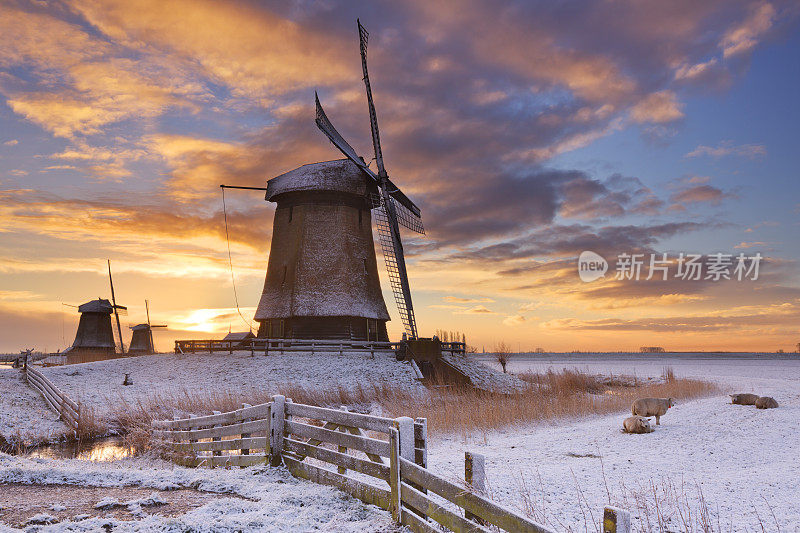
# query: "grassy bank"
449,410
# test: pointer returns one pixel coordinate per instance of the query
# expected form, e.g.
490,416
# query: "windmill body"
322,278
142,339
94,339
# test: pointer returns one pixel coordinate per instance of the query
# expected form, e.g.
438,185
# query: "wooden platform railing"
380,461
68,410
266,346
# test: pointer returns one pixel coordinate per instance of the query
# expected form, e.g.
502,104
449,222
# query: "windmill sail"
327,127
390,232
392,207
393,271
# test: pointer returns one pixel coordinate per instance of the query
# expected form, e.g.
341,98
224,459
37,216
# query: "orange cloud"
659,107
254,51
744,37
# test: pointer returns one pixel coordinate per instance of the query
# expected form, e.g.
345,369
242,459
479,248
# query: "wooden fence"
381,461
68,410
266,346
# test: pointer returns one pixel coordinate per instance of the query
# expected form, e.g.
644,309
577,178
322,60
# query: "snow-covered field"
23,413
742,462
99,384
745,461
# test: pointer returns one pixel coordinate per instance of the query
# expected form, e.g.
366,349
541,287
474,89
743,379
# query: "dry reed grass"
553,395
89,427
659,506
462,410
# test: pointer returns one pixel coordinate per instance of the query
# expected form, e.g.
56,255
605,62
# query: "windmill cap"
138,327
339,175
97,306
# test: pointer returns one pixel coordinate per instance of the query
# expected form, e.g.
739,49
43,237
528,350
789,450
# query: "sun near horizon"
527,137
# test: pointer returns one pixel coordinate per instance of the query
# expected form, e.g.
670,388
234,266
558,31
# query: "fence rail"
299,345
68,410
381,461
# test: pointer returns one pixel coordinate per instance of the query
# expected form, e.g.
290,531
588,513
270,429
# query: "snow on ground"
23,411
99,384
744,460
483,376
269,499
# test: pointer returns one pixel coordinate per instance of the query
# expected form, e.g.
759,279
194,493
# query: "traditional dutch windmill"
392,207
142,337
322,279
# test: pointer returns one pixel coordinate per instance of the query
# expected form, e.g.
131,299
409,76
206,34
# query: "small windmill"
142,339
392,207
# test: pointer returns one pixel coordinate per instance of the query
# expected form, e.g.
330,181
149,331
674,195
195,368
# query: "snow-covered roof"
239,336
339,175
96,306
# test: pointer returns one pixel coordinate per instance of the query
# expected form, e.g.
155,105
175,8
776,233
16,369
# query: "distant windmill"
142,338
393,208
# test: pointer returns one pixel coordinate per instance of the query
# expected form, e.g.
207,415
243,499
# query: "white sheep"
766,402
637,424
744,398
656,407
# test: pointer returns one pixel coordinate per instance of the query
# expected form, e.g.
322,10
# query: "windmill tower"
322,277
142,337
94,339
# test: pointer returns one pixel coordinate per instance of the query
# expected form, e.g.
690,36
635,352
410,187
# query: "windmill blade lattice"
405,218
392,268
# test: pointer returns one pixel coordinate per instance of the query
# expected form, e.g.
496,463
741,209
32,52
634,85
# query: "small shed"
241,339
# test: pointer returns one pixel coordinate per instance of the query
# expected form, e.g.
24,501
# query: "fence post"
421,442
394,474
276,414
215,439
421,451
194,452
287,417
475,477
616,520
405,426
245,451
342,449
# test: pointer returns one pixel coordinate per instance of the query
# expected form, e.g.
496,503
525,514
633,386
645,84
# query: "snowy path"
276,501
745,460
23,411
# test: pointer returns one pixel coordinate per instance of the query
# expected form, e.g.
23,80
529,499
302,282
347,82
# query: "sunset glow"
527,134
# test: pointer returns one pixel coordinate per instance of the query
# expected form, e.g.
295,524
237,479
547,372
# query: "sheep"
637,424
765,402
656,407
744,399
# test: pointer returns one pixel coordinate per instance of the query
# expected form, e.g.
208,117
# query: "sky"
527,132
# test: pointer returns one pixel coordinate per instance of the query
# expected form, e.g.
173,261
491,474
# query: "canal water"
98,450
